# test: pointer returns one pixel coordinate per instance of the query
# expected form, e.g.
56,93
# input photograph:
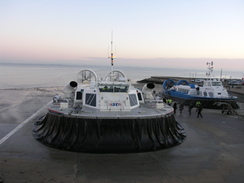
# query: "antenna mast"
210,69
112,54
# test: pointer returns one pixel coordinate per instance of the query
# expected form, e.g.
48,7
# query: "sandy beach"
212,152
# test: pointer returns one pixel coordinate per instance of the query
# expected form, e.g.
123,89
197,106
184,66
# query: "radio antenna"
210,69
112,54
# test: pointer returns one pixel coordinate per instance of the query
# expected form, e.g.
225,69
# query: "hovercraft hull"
207,102
108,135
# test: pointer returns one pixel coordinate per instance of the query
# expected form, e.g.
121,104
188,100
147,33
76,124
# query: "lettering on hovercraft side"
115,104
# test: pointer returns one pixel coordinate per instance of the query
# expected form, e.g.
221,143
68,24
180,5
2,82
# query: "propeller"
168,84
116,75
86,75
182,82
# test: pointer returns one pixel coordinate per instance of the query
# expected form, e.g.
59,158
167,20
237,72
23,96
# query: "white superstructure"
114,93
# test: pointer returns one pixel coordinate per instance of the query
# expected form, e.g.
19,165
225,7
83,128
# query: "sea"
17,76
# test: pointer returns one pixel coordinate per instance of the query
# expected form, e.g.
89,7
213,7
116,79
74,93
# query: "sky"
156,33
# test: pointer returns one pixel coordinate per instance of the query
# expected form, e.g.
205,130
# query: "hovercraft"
108,116
211,94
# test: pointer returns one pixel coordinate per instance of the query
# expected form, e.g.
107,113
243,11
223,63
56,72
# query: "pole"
112,54
220,75
112,59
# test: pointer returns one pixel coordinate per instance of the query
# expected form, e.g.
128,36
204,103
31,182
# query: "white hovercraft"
108,116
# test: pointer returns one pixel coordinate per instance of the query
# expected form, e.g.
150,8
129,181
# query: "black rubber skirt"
112,135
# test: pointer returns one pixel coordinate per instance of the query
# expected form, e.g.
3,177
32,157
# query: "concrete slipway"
213,151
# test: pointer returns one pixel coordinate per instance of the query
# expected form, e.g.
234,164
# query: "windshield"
113,88
216,84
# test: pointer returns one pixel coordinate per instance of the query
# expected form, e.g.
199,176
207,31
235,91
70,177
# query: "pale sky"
161,33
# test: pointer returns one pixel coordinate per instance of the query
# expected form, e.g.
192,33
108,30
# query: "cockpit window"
216,84
113,88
